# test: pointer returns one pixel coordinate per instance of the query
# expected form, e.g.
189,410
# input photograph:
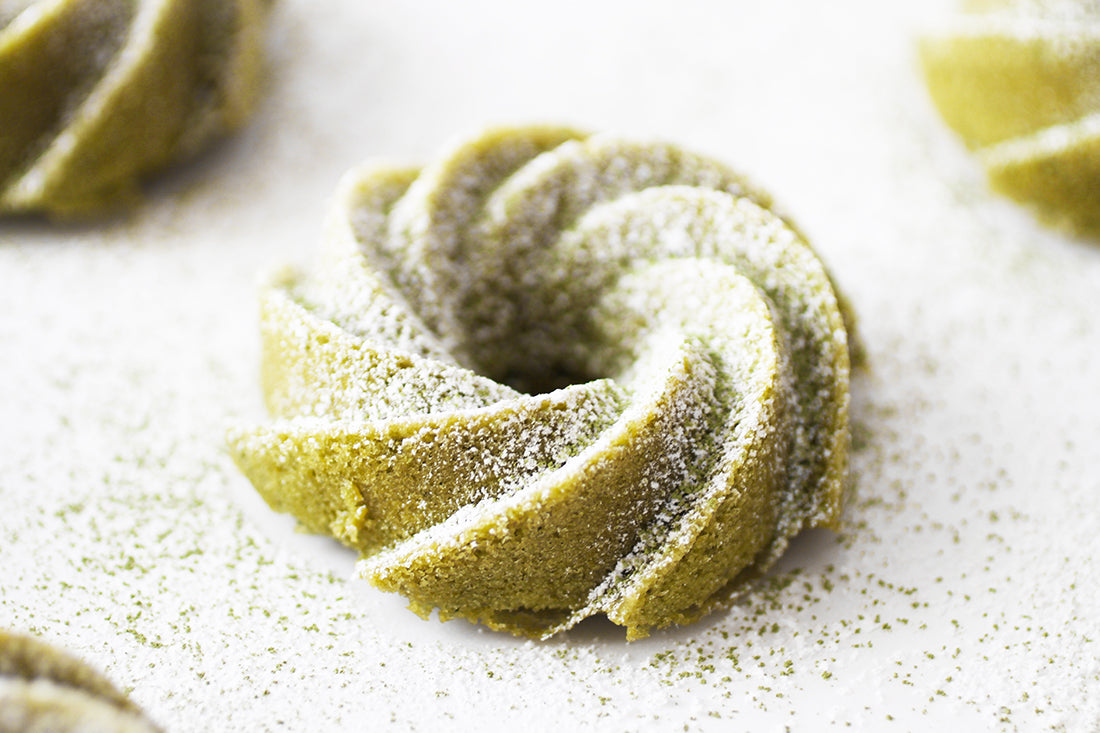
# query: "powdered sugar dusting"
961,591
517,250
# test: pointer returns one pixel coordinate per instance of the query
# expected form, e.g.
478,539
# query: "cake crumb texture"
959,591
678,361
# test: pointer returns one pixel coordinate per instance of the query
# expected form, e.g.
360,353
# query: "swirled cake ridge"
553,375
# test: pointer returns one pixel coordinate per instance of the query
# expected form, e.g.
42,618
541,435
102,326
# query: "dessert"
95,94
553,375
1020,82
45,691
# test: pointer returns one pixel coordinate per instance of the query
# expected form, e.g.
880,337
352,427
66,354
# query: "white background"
962,591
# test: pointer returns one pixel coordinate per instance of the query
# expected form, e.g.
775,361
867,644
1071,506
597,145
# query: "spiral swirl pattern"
1019,80
553,375
95,94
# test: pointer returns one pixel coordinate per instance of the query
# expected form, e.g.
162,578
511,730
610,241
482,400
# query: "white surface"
963,591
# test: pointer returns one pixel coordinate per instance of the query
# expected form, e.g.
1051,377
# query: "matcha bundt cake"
95,94
553,375
43,690
1019,80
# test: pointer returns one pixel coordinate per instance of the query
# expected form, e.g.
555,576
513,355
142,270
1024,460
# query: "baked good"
553,375
1020,82
95,94
43,690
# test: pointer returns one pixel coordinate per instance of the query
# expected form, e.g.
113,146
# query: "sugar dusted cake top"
552,375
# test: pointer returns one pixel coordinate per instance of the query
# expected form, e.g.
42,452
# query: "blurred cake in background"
1020,82
96,94
43,690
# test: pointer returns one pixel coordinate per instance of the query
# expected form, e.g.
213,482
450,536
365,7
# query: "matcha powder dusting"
958,590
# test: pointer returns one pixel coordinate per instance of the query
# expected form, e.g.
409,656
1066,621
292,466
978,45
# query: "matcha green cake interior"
552,375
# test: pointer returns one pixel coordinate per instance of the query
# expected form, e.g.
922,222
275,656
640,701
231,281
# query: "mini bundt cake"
554,375
43,690
1019,80
95,94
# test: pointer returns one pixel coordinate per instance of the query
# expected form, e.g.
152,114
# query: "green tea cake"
96,94
553,375
1020,82
43,690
